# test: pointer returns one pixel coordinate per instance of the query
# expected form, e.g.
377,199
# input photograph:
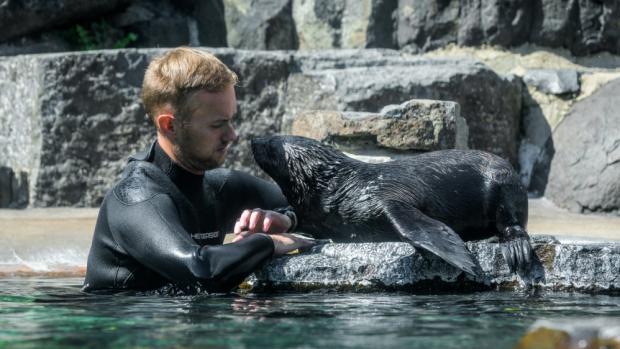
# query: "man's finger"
237,228
267,222
243,234
255,218
242,223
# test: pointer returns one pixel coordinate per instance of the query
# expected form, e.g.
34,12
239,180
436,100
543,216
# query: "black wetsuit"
161,225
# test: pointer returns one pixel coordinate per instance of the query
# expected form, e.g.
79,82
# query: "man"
164,222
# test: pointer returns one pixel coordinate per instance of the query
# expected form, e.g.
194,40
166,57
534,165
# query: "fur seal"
433,200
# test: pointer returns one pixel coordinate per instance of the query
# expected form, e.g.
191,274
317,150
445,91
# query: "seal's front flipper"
517,249
432,235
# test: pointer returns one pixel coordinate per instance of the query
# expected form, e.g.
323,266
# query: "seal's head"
302,167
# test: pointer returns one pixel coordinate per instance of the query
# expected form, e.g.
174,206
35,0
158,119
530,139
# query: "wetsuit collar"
146,155
185,180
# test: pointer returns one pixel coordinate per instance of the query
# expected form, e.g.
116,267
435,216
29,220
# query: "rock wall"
74,118
581,26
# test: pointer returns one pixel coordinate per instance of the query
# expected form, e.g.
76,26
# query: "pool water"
53,313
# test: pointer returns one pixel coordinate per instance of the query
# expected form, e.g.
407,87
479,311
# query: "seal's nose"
258,143
259,148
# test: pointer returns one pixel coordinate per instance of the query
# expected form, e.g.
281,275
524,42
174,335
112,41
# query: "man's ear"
165,125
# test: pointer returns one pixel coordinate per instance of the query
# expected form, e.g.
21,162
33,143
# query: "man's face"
203,139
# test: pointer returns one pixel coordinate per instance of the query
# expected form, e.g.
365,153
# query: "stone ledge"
589,267
415,125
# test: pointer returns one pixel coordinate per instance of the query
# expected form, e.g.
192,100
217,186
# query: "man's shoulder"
140,182
223,177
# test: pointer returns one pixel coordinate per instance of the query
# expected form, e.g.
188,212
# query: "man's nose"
231,135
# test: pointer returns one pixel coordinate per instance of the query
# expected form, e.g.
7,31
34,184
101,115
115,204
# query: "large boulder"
585,170
490,104
323,24
268,26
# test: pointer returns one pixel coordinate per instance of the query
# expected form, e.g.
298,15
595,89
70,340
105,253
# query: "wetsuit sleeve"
152,233
239,191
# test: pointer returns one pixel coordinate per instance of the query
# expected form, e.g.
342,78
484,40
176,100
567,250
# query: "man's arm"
151,232
251,200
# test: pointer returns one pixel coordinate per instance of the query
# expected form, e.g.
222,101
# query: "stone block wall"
581,26
73,119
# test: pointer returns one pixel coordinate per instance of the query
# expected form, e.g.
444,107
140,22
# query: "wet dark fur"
475,193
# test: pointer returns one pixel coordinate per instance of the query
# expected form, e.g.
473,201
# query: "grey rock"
13,188
265,26
551,81
20,18
430,24
426,25
535,150
82,119
323,24
582,26
495,22
156,23
419,125
586,167
565,266
490,104
47,42
210,23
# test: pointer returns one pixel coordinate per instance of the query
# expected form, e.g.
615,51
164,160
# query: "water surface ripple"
53,313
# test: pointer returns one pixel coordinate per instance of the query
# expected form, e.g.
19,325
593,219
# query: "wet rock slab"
582,266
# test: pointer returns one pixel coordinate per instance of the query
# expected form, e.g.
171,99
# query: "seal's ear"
421,231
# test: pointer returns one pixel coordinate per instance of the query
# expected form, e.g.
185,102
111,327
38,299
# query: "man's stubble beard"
185,151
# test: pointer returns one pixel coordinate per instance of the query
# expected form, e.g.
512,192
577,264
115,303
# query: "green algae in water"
53,313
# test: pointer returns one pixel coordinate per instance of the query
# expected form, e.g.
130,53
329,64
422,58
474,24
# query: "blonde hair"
172,77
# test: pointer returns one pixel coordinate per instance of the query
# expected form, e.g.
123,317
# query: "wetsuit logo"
206,236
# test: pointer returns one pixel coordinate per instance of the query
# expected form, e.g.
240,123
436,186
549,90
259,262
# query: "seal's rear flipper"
432,235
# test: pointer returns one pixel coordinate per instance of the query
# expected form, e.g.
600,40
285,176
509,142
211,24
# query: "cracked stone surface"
590,267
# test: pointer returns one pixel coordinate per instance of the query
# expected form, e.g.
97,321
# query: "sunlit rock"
416,125
563,265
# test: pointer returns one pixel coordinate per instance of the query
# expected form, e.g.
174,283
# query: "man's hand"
285,243
260,221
